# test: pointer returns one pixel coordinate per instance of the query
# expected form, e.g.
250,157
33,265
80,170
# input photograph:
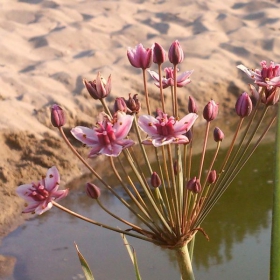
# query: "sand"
48,47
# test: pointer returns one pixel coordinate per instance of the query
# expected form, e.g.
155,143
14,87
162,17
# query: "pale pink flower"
164,130
167,81
265,77
39,196
108,137
140,57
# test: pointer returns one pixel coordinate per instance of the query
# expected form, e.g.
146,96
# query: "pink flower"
40,196
164,130
108,137
140,57
267,76
167,81
99,88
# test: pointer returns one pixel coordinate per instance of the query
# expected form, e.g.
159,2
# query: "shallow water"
238,227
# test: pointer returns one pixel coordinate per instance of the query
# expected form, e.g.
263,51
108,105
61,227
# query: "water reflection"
238,227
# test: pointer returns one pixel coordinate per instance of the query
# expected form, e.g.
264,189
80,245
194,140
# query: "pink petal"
125,143
23,191
185,123
181,139
52,179
42,208
274,81
123,125
157,142
249,72
60,194
146,123
85,135
95,151
31,207
133,58
113,150
184,76
154,75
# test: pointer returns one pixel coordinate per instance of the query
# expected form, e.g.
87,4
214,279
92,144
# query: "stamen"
84,136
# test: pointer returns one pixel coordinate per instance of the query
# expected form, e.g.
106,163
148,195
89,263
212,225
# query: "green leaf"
84,264
132,255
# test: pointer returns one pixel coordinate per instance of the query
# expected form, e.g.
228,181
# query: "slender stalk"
275,231
160,88
184,262
135,125
146,91
104,104
99,224
174,191
175,92
203,149
214,198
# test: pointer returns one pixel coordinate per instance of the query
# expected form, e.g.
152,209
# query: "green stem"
275,231
184,262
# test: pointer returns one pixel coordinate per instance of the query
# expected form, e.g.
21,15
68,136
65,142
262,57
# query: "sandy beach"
48,47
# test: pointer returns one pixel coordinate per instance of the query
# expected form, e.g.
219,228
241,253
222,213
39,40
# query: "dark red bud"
175,53
92,191
133,104
120,105
218,134
159,54
192,108
210,111
176,167
243,106
57,116
212,177
194,185
189,135
155,180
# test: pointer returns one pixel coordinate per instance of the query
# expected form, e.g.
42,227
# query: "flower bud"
210,111
98,88
192,108
92,191
139,57
57,116
212,177
159,54
194,185
271,96
120,105
175,53
133,104
243,106
189,135
155,180
218,134
176,167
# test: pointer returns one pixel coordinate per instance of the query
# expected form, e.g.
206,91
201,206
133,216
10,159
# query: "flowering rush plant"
178,195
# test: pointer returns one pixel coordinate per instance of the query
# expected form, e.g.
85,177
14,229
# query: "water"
238,227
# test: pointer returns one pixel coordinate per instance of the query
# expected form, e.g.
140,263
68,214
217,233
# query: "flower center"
39,192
